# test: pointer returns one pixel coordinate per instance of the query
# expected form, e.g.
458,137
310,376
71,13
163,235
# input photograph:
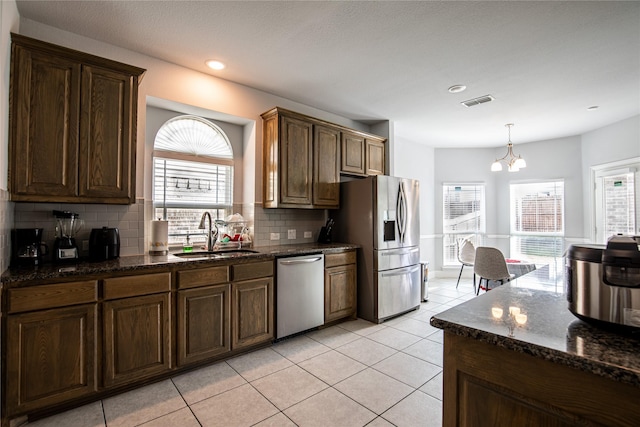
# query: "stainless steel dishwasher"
300,294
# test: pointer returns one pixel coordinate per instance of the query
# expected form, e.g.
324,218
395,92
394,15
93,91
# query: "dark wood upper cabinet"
288,160
352,154
374,157
304,157
296,154
72,135
326,167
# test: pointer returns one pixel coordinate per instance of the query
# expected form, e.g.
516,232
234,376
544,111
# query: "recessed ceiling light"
215,65
593,108
456,88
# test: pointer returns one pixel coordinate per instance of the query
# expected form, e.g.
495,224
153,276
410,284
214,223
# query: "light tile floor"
354,374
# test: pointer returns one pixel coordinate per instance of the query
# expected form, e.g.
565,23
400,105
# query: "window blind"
180,183
184,190
463,215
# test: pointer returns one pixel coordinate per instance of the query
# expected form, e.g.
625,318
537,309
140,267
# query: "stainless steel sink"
214,254
233,252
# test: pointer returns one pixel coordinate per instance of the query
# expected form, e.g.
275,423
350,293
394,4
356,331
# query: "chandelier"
514,163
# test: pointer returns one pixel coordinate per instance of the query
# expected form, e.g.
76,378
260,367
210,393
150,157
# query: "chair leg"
474,282
479,284
459,275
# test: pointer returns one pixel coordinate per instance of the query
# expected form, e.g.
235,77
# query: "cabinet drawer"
331,260
252,270
50,296
202,277
128,286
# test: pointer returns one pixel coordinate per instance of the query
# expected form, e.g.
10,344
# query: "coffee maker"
68,225
27,247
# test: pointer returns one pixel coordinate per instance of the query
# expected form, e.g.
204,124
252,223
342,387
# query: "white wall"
618,141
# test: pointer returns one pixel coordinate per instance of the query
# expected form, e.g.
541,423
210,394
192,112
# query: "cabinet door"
252,308
137,338
326,167
374,157
45,94
203,323
339,292
51,357
296,168
107,128
352,159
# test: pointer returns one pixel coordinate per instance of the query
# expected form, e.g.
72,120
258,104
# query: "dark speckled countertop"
551,332
51,271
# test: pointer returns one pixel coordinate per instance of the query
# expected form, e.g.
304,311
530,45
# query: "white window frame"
599,171
555,238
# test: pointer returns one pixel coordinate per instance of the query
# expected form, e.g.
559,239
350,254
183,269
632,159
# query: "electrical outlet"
275,236
291,234
307,234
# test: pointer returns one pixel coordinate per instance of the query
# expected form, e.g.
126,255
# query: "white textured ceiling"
544,62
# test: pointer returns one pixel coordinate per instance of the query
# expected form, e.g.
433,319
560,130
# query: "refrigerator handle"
402,251
401,209
402,271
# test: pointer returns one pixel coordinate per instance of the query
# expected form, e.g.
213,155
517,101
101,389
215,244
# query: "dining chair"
490,264
466,257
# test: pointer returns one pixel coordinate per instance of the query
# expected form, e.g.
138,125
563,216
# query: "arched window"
192,173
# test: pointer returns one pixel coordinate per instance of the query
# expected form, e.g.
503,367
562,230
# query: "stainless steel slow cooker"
602,283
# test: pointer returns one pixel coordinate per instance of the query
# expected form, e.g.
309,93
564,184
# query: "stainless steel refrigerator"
380,213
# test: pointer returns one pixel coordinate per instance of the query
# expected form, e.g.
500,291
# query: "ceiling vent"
477,101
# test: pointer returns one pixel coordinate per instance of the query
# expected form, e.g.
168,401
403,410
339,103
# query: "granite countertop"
48,271
550,332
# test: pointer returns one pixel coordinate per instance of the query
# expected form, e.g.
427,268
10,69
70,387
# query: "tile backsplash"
280,221
129,219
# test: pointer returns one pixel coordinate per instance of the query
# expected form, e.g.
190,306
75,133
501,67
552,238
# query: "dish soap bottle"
187,246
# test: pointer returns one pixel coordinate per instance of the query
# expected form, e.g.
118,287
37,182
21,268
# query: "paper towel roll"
159,237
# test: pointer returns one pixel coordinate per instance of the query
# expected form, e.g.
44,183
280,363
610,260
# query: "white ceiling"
544,62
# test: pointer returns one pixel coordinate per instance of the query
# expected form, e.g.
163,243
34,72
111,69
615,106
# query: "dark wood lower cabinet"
51,357
137,338
485,385
203,323
252,312
340,286
65,344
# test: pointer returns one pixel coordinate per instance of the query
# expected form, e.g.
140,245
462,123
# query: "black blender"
67,226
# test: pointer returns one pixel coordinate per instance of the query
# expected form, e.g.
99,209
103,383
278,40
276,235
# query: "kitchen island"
518,356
